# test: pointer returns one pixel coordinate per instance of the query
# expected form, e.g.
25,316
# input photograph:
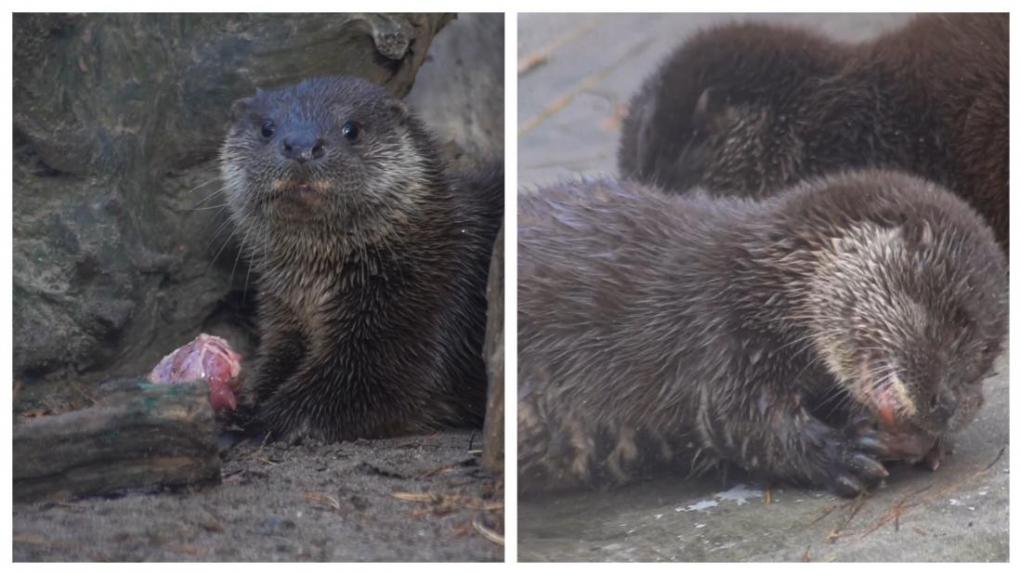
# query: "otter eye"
351,130
268,129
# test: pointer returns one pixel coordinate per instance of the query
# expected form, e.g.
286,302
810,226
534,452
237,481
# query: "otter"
806,337
748,109
370,260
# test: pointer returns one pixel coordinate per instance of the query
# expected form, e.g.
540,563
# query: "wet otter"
371,263
748,109
805,337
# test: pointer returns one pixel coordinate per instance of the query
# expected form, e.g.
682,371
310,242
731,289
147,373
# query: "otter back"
749,109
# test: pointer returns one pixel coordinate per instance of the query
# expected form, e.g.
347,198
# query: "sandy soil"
408,499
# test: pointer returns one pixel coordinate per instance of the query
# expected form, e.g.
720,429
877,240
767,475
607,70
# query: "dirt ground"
422,498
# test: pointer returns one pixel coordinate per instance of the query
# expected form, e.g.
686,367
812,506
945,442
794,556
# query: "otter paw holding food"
846,462
908,444
785,442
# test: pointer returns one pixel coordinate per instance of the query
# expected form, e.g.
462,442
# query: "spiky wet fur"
749,333
748,109
372,303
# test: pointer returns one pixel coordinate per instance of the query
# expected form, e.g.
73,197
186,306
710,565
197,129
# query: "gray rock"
459,89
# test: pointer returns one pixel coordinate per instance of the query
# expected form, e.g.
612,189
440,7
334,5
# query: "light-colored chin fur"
400,198
849,263
881,388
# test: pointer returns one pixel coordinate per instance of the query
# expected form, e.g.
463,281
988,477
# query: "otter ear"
927,235
399,109
240,108
921,234
709,104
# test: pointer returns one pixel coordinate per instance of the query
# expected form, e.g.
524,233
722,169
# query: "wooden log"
492,443
138,436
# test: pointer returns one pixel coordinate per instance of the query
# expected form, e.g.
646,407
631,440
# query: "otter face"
732,149
909,320
338,153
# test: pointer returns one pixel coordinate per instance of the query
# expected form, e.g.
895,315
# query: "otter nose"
303,146
943,407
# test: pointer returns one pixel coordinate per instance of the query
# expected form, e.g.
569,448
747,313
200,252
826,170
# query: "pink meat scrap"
207,358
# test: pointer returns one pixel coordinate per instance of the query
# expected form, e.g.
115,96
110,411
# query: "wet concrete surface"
576,75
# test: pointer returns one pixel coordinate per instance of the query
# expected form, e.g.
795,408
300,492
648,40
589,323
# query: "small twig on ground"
36,540
856,506
827,512
581,87
449,501
257,454
900,507
416,496
997,457
541,56
231,474
487,533
894,513
446,468
322,499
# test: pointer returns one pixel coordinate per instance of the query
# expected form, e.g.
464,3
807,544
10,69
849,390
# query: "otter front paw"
847,463
901,443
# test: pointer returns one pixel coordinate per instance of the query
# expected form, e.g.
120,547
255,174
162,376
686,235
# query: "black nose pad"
943,408
302,148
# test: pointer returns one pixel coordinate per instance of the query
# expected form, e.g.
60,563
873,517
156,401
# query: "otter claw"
933,459
857,472
848,486
868,467
872,445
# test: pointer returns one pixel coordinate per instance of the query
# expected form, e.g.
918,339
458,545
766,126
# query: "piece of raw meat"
207,358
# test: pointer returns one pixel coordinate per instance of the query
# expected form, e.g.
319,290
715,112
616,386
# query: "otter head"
337,155
907,310
731,148
727,111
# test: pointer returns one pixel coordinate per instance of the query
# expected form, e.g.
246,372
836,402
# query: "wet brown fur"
749,109
371,278
766,335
